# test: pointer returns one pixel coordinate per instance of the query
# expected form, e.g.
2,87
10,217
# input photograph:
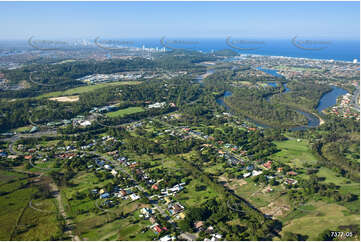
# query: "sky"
274,20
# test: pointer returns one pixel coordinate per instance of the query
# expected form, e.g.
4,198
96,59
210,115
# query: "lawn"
8,176
102,226
246,83
325,216
214,169
82,182
12,205
37,225
256,194
192,198
295,153
88,88
353,188
44,166
122,229
346,187
20,222
331,176
125,111
23,129
291,68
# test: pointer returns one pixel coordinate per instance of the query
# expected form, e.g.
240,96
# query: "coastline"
300,58
209,45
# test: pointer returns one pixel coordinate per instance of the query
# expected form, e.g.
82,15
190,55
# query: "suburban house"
104,195
152,219
175,208
198,225
168,238
292,173
268,165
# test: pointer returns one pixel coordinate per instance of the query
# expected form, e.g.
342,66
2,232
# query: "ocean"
342,50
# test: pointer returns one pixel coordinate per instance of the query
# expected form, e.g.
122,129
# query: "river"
327,100
220,100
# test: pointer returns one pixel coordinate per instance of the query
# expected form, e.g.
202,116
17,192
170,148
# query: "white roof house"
167,238
256,173
114,172
85,123
134,197
246,174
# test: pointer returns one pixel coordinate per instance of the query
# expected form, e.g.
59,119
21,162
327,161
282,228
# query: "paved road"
54,187
35,135
13,151
160,210
16,137
117,166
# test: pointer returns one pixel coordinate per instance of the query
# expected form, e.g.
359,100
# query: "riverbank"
262,122
303,109
200,78
205,75
329,99
313,119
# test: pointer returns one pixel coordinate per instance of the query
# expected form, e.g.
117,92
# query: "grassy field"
331,176
7,176
346,187
189,196
324,216
82,182
214,169
12,206
18,221
295,153
262,84
353,188
84,89
38,225
245,83
23,129
128,228
290,68
43,167
193,198
258,196
125,111
315,217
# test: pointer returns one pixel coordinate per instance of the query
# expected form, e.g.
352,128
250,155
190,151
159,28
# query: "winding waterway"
327,100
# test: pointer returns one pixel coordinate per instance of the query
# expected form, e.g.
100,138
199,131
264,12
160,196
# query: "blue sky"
280,20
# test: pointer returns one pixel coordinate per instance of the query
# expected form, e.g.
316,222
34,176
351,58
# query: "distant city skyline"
251,20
